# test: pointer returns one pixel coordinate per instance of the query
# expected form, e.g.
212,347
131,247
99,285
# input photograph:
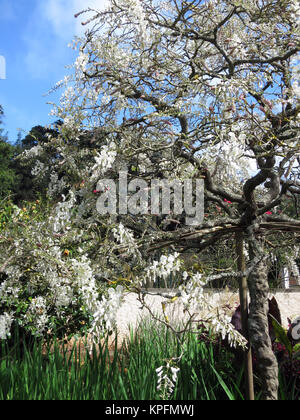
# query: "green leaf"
223,385
296,350
281,335
296,347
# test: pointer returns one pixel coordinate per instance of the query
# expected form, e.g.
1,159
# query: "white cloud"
60,15
50,29
2,67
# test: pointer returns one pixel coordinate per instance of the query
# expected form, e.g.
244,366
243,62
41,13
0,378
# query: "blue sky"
34,38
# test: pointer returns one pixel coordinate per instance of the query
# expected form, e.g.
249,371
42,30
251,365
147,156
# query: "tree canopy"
204,90
8,178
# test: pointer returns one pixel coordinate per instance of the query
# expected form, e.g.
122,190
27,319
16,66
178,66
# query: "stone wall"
130,313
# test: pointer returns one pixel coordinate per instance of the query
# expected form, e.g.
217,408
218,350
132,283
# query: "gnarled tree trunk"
259,331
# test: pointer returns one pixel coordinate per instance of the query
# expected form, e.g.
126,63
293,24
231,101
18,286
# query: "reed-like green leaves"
207,371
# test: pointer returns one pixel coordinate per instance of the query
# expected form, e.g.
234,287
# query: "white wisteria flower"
104,316
166,379
81,61
5,325
105,159
223,326
61,219
164,267
37,315
39,167
123,235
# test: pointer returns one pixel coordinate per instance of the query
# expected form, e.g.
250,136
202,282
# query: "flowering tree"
183,89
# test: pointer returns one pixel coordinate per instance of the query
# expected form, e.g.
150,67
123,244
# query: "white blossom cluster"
38,168
55,185
164,267
166,380
123,235
223,326
133,12
235,46
67,284
104,316
86,282
7,288
296,75
105,159
37,315
192,293
81,61
33,152
71,123
62,290
61,219
195,300
295,8
228,160
5,325
61,285
137,12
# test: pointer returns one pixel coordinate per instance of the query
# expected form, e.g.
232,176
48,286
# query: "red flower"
96,191
268,212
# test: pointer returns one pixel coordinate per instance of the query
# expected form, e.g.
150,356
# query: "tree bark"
259,331
243,291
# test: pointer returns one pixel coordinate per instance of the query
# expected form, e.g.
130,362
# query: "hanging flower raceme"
104,160
163,268
166,380
5,325
105,311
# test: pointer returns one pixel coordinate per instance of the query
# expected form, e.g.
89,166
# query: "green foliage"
281,336
7,209
8,177
288,356
34,265
15,173
28,187
109,373
56,370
